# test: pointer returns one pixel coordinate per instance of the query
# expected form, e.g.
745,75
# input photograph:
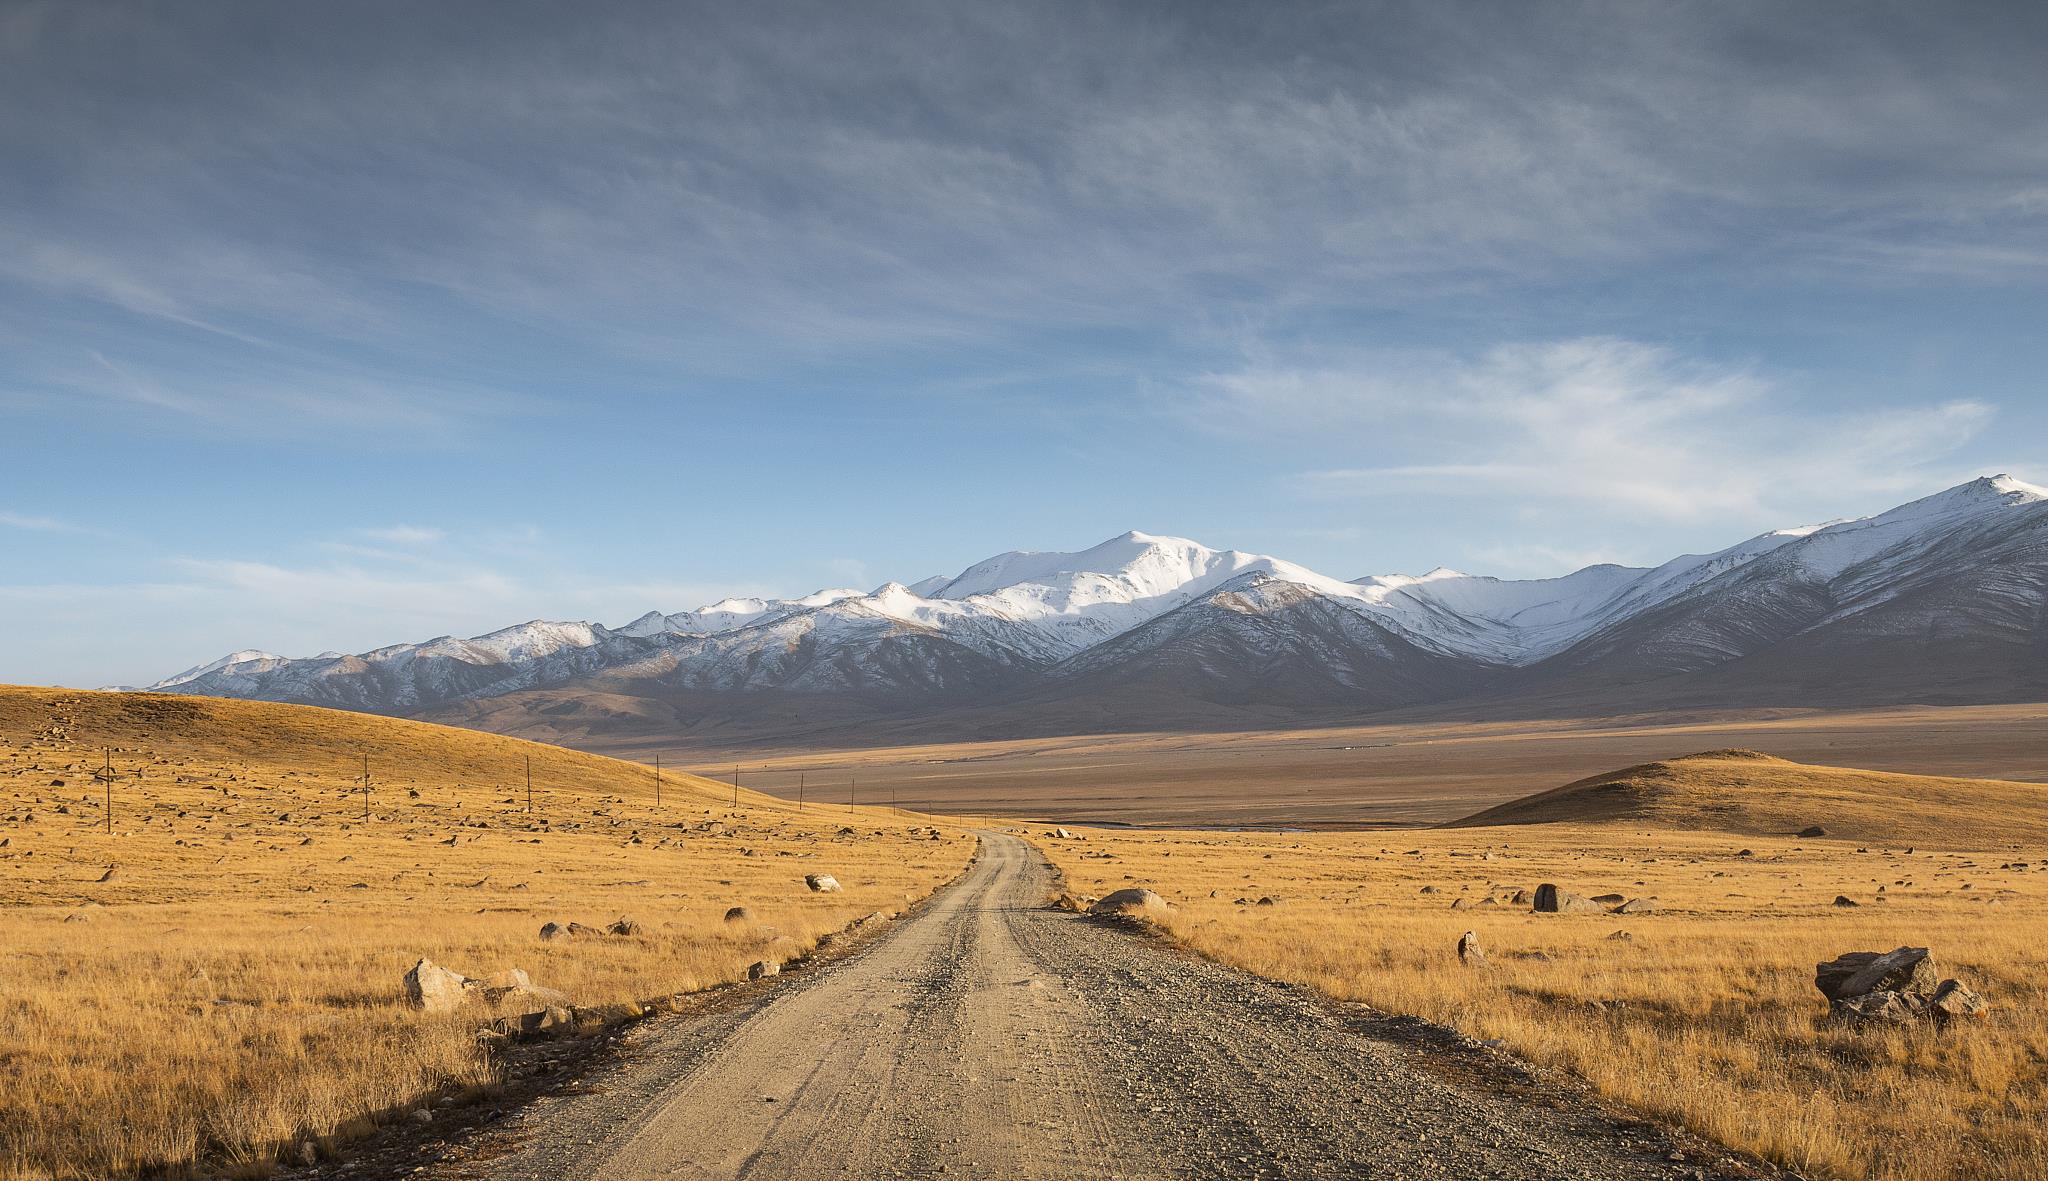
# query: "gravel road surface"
986,1036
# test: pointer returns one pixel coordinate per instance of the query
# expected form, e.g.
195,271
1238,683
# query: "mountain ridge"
1950,583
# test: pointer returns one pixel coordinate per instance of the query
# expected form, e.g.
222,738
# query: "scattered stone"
737,914
1953,999
1845,900
552,931
1134,901
1813,831
433,988
1062,834
1551,900
1636,906
1621,936
541,1023
625,926
1610,899
763,968
1469,951
579,931
107,876
821,883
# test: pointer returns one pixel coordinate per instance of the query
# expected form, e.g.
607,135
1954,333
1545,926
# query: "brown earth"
1390,773
990,1036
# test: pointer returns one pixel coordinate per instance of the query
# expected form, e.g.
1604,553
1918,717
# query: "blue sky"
323,327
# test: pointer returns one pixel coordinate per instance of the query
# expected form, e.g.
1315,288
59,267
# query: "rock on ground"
433,988
1135,900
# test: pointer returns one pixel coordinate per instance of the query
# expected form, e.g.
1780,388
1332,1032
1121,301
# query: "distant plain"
1382,773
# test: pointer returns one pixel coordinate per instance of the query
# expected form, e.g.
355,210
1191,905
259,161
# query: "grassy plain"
219,979
1706,1013
1399,772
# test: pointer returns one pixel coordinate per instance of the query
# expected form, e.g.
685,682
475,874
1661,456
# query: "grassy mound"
1743,791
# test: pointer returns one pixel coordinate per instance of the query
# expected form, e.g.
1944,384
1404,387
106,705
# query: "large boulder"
1952,999
1469,951
1136,900
1908,970
433,988
1892,987
822,883
1551,900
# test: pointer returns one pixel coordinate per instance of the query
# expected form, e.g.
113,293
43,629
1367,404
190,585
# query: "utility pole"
851,784
529,785
799,791
366,788
657,779
108,775
735,786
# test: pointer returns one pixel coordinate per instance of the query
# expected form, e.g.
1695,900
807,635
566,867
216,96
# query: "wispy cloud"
1639,430
35,523
405,534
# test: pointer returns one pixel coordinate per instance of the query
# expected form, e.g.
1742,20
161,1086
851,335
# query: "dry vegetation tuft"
232,990
1706,1014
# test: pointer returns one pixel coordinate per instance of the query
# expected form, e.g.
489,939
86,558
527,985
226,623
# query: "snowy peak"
245,656
1028,615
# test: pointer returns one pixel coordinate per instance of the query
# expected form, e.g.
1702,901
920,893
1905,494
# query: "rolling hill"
1744,792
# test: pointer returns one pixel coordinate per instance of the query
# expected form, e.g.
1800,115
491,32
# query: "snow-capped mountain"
1953,583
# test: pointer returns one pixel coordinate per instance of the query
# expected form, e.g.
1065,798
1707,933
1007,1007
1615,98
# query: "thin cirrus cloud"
734,189
1634,428
34,523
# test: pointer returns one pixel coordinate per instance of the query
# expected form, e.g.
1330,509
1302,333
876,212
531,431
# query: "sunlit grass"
234,990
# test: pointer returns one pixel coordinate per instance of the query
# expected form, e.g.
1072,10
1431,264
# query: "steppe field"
1399,772
217,980
1702,1010
216,985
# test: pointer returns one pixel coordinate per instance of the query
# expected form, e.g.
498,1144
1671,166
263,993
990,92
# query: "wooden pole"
735,786
529,785
110,791
657,779
850,785
366,787
799,791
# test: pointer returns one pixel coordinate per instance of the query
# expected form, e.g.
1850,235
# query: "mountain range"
1936,601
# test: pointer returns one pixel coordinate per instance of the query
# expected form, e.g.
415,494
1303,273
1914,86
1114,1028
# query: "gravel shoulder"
988,1035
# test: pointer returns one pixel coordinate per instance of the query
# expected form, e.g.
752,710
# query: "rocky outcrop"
1892,987
1552,900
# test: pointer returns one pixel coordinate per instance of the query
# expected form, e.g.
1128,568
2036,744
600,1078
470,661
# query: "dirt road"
989,1037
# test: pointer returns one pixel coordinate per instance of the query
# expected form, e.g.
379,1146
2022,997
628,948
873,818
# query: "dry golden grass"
1742,791
1707,1015
234,988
